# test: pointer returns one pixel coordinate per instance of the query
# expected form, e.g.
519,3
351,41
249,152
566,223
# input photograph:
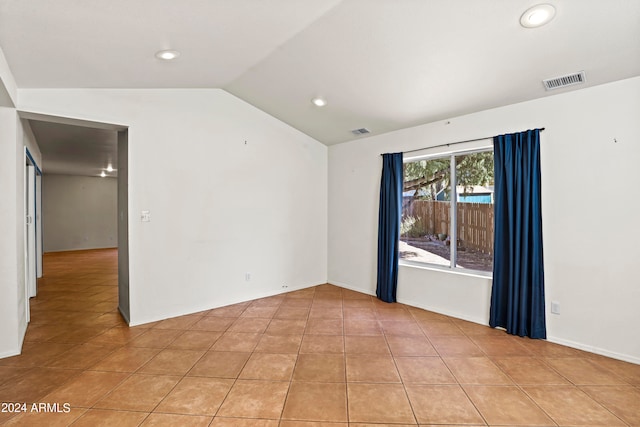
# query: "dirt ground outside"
438,252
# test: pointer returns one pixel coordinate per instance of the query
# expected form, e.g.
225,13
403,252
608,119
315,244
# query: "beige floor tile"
329,312
243,422
45,419
269,366
424,370
249,324
401,345
476,370
213,324
435,329
361,396
358,312
138,393
255,399
195,340
581,371
196,396
371,369
623,401
316,402
320,368
181,323
33,385
442,404
501,346
287,312
126,359
116,336
393,314
266,312
236,341
279,344
324,327
286,327
355,326
458,346
155,338
109,418
568,405
503,405
171,420
37,354
364,344
172,362
86,389
630,372
220,364
80,357
290,355
401,327
322,344
228,311
529,371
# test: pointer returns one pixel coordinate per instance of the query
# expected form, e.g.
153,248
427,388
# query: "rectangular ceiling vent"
360,131
564,81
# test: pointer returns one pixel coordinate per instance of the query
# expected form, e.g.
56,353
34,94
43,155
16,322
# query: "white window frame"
453,232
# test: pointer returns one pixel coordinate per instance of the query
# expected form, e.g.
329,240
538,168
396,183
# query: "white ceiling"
76,150
381,64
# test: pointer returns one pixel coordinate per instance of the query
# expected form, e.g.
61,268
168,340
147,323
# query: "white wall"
590,215
15,134
79,212
8,88
230,190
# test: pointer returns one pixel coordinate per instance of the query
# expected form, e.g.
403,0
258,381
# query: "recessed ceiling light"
319,102
537,16
167,55
102,174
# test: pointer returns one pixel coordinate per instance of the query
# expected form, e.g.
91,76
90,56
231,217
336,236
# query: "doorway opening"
32,229
71,151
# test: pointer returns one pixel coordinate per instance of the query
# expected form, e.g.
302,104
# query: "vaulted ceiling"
380,64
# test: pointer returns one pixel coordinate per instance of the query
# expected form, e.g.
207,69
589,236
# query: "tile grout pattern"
317,357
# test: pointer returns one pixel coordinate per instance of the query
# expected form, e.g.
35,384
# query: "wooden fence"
475,222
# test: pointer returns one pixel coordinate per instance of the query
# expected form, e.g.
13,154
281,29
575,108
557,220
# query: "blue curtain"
517,296
389,226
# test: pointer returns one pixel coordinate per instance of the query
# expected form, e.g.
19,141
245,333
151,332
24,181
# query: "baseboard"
555,340
57,251
225,303
595,350
446,312
124,316
10,353
416,305
351,288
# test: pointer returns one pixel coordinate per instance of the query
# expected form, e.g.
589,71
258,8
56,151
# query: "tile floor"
318,357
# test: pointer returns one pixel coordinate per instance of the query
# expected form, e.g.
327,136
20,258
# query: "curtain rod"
452,143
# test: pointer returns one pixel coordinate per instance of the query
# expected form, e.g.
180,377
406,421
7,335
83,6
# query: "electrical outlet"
555,307
247,277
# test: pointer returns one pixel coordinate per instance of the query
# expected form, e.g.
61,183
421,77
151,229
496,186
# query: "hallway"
317,357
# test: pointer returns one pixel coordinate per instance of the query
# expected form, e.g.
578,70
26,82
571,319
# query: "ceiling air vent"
564,81
360,131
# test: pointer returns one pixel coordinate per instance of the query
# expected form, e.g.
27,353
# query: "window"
447,211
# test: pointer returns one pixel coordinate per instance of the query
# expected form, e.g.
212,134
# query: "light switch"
145,216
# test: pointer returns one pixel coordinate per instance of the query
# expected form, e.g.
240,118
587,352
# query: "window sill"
434,267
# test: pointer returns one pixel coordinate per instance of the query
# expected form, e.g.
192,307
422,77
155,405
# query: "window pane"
426,203
474,189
